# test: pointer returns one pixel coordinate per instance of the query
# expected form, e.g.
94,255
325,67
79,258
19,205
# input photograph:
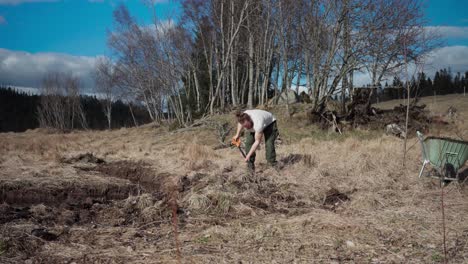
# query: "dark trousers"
270,133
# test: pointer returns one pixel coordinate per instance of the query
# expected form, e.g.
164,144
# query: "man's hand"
236,141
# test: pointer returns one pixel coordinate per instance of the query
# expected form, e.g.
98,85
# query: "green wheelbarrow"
445,155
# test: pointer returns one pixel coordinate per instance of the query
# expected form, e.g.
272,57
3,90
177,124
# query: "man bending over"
258,124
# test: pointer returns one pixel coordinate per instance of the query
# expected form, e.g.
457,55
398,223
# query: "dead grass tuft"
38,210
138,202
199,156
197,202
221,201
152,213
145,200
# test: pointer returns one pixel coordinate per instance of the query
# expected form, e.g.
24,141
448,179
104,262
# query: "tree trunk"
251,71
197,89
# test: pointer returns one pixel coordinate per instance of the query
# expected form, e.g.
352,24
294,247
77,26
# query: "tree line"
20,111
222,54
443,82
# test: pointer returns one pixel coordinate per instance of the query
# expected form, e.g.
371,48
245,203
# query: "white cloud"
20,68
361,79
450,31
27,69
455,57
2,20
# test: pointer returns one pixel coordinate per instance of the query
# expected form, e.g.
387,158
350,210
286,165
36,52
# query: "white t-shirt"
261,119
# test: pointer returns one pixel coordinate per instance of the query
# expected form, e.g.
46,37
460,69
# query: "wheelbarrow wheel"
449,172
443,182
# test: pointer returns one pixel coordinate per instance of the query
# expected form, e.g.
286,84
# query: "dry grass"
198,156
226,215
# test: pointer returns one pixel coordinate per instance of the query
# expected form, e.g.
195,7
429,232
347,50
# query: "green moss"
436,257
202,240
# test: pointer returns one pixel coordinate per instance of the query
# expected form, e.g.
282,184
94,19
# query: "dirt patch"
82,157
29,194
136,172
19,244
43,233
333,199
291,159
9,213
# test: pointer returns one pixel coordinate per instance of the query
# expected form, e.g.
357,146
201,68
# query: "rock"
242,209
432,246
452,112
288,96
396,130
350,243
305,98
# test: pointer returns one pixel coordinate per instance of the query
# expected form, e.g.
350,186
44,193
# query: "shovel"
237,143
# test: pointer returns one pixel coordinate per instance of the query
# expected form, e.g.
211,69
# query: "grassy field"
150,195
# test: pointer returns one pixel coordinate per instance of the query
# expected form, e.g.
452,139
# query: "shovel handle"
237,143
242,152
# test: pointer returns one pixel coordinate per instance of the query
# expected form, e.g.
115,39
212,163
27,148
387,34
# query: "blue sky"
449,13
75,27
36,35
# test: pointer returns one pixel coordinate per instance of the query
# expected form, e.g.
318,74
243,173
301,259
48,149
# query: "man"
259,124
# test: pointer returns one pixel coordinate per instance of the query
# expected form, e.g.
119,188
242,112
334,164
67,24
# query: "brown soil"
136,172
32,194
61,212
82,157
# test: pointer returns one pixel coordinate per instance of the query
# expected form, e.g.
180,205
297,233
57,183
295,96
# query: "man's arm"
258,139
239,129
